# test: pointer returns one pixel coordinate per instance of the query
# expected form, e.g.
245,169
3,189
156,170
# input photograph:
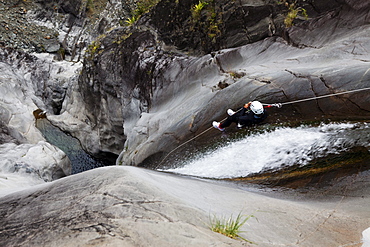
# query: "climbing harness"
277,105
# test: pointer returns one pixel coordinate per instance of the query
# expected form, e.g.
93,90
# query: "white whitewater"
278,148
366,238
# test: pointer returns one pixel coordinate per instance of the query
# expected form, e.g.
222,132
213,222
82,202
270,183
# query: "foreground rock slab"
130,206
110,207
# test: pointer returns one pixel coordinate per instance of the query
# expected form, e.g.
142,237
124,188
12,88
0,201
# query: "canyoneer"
250,114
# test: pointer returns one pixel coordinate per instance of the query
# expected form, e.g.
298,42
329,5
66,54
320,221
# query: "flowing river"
269,149
275,149
80,160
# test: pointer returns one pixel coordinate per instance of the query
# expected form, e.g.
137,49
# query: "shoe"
230,112
217,126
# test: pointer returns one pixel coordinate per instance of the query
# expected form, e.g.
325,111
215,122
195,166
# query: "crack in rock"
298,75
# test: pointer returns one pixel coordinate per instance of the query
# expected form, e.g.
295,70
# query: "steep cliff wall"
151,86
225,24
136,79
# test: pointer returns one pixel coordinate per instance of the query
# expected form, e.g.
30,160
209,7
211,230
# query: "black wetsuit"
244,117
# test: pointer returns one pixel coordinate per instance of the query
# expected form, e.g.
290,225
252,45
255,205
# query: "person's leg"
229,121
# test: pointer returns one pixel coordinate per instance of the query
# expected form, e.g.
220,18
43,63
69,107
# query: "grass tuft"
230,227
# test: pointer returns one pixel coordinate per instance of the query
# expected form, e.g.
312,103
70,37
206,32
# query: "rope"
160,163
173,150
325,96
278,105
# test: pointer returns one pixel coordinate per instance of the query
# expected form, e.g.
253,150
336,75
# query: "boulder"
27,165
5,132
17,106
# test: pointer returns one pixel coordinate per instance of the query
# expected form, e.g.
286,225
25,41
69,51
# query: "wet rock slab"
129,206
110,207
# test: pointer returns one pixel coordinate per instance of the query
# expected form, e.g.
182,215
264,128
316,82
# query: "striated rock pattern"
134,78
146,88
225,24
109,207
27,83
129,206
62,28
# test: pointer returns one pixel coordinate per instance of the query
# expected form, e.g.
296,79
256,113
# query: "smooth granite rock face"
140,92
130,206
109,207
31,82
140,96
27,83
26,165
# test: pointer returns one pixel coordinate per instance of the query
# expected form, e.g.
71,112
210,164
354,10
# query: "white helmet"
256,107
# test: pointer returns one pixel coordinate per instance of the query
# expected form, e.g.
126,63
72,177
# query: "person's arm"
245,108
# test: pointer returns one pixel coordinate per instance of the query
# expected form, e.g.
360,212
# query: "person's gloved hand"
247,105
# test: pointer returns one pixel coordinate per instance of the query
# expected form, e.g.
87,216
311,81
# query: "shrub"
142,7
293,12
197,8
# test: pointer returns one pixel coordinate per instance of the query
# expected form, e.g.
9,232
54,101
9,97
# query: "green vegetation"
293,12
197,8
229,227
122,38
212,21
92,49
62,53
142,7
131,20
